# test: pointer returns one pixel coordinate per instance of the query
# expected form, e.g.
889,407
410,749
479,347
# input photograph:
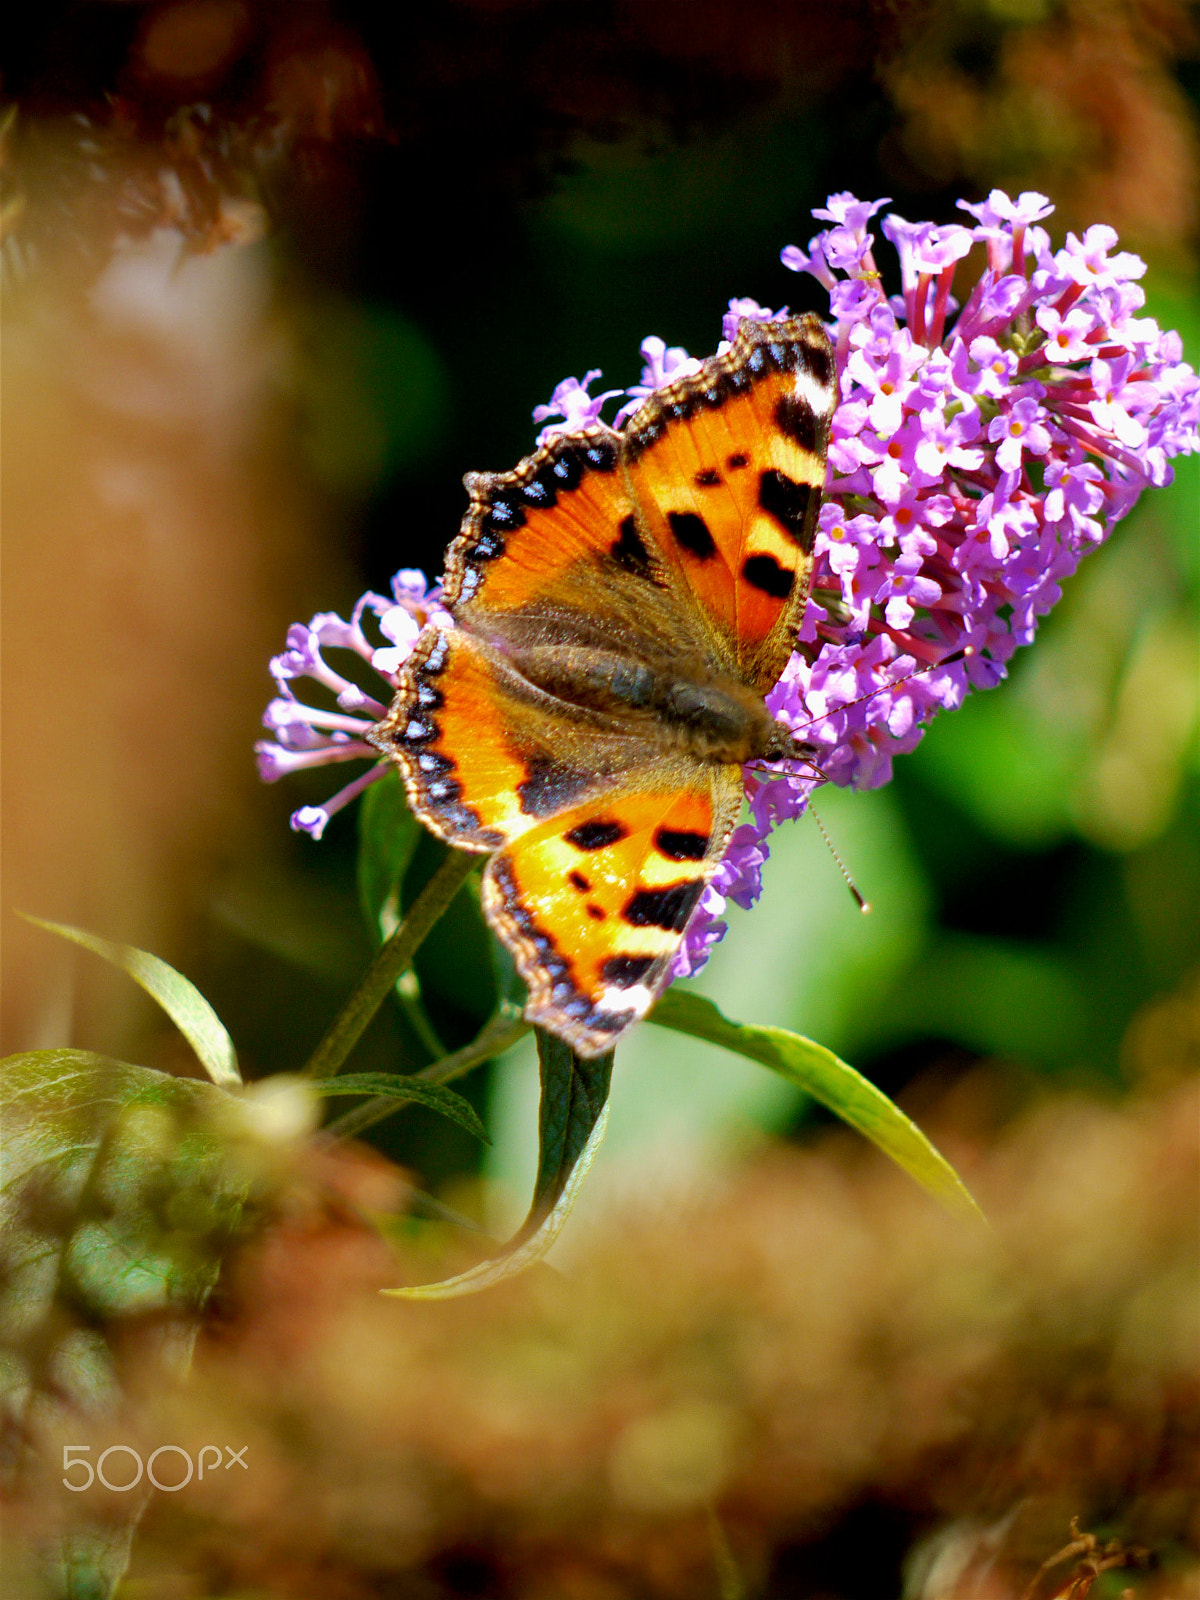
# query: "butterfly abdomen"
712,719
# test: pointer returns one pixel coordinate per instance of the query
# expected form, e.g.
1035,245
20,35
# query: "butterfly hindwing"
594,904
485,755
727,467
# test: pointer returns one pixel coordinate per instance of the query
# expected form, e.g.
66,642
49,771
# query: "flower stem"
730,1582
393,958
499,1035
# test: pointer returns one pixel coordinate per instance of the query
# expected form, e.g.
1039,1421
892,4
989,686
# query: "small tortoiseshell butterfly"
622,600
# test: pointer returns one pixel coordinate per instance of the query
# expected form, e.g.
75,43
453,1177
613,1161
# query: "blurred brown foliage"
1079,100
155,530
853,1381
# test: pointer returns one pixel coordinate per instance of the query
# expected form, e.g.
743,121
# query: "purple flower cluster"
978,451
316,736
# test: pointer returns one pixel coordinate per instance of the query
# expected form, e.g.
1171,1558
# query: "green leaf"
398,1086
131,1194
574,1094
571,1125
499,1034
831,1081
181,1000
387,838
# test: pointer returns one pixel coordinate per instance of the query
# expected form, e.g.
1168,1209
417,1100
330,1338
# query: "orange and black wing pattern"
485,755
594,904
556,543
727,467
593,588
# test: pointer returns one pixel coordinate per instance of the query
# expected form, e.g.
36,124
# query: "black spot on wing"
595,912
788,503
596,834
487,546
578,881
737,461
707,478
600,453
668,908
541,491
565,468
679,844
691,534
549,786
502,514
765,574
625,971
818,358
565,993
571,456
630,553
796,418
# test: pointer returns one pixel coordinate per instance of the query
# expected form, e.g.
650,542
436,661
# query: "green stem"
408,993
730,1584
393,958
500,1034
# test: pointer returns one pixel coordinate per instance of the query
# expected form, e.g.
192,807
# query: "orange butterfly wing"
486,756
594,904
727,467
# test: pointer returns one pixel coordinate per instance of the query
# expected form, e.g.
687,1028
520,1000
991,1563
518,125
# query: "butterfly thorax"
707,714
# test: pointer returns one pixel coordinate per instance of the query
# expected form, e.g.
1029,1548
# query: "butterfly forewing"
727,467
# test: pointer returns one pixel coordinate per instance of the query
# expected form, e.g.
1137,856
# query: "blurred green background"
455,216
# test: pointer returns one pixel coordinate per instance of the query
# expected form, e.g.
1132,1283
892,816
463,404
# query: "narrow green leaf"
830,1080
181,1000
499,1034
398,1086
533,1248
571,1125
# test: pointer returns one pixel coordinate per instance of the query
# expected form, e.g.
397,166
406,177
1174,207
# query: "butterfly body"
674,705
622,601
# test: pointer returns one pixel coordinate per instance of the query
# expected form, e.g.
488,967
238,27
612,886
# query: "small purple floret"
319,735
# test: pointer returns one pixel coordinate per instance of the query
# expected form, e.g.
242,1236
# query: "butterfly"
622,601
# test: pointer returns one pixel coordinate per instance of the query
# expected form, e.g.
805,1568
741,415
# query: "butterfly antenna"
863,905
930,666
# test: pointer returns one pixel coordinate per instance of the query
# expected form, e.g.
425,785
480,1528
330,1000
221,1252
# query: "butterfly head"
781,744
